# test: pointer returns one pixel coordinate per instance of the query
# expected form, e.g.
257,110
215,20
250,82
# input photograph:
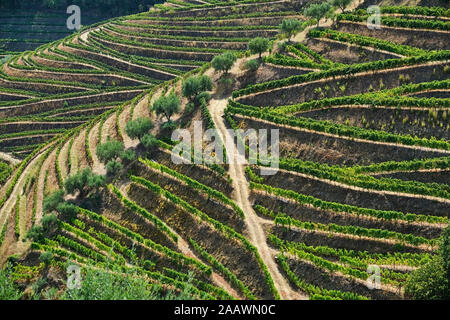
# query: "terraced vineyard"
364,151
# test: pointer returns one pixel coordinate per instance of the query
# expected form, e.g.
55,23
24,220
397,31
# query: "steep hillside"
364,152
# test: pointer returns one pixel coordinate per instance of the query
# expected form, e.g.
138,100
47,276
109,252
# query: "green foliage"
223,270
149,141
195,184
138,128
68,210
84,182
8,289
258,45
194,85
229,232
400,22
167,105
432,281
342,4
5,172
285,220
367,41
109,150
175,256
224,62
133,206
337,129
111,285
353,176
313,290
289,27
344,70
46,257
113,168
52,201
48,225
317,11
419,10
252,64
128,156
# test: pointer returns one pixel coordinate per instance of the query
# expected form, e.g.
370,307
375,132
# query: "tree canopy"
289,27
167,105
432,281
342,4
192,86
109,150
317,11
138,128
258,45
84,181
224,62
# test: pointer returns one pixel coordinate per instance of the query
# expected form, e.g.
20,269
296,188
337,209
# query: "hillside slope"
364,152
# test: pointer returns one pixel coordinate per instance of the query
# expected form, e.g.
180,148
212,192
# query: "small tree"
317,11
252,65
84,182
52,201
128,156
46,257
149,141
68,210
289,27
224,62
432,280
113,168
342,4
109,150
136,129
167,105
47,227
193,86
258,45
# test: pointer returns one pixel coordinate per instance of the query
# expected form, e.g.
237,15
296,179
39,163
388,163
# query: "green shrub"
52,201
113,168
193,86
289,27
224,62
128,156
167,105
252,65
258,45
342,4
432,281
46,257
68,210
8,289
84,182
149,141
136,129
317,11
109,150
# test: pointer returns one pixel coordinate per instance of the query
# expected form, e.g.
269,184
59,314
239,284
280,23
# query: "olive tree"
193,86
84,182
224,62
289,27
167,105
258,45
317,11
342,4
136,129
110,150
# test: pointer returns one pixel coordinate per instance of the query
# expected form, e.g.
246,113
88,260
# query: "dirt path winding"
241,196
